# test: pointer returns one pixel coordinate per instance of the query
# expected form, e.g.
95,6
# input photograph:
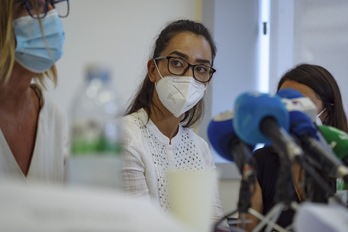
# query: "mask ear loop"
321,112
318,121
154,60
328,109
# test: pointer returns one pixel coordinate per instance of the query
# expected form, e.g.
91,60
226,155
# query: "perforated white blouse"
149,154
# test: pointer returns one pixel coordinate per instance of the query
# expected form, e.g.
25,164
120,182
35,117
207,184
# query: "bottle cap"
97,71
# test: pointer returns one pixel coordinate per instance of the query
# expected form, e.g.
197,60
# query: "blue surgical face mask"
38,51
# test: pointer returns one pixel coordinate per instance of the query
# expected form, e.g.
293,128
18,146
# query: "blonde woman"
32,135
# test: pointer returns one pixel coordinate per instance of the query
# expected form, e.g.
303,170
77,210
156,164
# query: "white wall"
235,28
321,37
312,31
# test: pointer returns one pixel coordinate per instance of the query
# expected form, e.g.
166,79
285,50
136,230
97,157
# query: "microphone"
226,143
263,118
320,156
254,112
224,140
318,184
304,129
294,100
221,134
337,140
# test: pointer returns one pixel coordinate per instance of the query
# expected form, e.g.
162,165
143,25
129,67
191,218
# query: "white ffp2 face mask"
179,93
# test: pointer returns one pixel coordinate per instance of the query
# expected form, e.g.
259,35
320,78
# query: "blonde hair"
8,46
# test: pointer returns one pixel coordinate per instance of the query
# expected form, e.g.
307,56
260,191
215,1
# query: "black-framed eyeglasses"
39,8
178,66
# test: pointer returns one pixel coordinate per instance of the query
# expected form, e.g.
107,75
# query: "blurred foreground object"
95,132
191,197
52,208
321,218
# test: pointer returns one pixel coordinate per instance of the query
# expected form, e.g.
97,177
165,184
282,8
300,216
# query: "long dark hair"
144,95
326,88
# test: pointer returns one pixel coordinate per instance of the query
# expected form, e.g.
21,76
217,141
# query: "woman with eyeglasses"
318,84
32,135
169,102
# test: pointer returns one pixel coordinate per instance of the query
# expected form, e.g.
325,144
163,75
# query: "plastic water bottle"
95,132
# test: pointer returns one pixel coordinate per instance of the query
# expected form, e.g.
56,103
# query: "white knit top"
149,154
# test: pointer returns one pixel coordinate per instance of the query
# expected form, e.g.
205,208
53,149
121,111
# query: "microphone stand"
283,197
317,184
287,150
246,169
242,156
317,187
